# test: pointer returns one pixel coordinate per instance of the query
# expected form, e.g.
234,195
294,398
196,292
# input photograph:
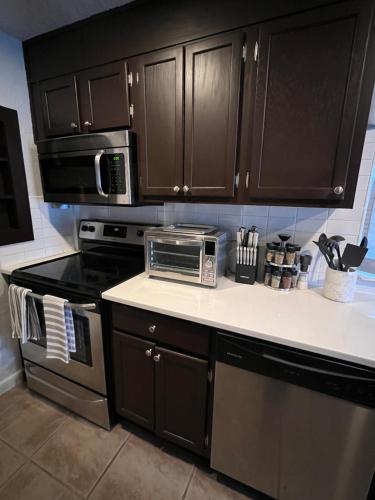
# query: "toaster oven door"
176,258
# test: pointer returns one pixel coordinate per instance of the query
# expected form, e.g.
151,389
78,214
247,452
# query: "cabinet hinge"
237,180
210,376
244,51
247,179
206,441
256,50
131,110
130,79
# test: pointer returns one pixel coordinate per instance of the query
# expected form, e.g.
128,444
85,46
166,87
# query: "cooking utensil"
353,256
327,254
364,242
333,244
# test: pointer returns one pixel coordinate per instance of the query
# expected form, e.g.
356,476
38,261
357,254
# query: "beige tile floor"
46,453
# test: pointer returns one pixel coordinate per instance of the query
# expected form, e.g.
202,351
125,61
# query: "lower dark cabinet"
162,390
180,396
134,379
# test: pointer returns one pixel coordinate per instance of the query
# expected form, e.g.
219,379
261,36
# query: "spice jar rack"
281,265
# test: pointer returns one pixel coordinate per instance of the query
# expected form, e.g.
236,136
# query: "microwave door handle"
98,176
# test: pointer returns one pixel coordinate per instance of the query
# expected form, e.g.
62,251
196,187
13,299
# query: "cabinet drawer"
174,332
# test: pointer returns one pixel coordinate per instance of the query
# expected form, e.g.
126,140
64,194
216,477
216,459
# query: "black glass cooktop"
88,273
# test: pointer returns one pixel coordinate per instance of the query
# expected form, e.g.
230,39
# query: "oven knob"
91,229
84,228
209,264
140,233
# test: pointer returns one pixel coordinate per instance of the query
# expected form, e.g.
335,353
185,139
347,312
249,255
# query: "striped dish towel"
56,332
69,326
18,312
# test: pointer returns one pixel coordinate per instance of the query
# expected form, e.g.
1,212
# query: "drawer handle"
148,353
157,358
152,328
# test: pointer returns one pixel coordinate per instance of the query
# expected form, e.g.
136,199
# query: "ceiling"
25,19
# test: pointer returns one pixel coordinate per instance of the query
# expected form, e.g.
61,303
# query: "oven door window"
175,257
82,334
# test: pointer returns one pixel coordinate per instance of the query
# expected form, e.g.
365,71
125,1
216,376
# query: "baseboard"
11,381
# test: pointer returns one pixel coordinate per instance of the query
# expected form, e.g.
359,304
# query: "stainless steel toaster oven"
186,252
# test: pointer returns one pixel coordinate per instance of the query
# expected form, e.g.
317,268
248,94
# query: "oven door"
176,258
92,176
86,365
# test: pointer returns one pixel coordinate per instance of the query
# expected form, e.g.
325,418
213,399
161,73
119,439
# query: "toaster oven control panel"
209,263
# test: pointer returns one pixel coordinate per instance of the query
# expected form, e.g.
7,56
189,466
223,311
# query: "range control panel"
111,231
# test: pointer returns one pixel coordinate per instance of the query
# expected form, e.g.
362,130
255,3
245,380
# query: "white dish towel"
59,329
18,312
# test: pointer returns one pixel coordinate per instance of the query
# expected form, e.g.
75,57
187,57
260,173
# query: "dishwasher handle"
315,370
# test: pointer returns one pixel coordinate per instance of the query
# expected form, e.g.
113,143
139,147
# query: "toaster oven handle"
187,243
98,176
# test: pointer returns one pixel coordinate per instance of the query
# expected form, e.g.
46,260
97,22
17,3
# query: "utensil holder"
340,285
246,274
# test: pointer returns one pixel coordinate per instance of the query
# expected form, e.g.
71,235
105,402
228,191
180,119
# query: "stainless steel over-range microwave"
89,168
186,252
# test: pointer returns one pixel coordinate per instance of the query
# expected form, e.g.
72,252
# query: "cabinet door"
307,93
134,379
181,398
158,122
60,106
103,95
212,90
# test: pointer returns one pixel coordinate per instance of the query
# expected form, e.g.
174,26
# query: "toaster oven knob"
176,189
185,189
209,264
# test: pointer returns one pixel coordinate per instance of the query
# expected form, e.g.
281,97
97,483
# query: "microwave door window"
69,175
180,258
82,335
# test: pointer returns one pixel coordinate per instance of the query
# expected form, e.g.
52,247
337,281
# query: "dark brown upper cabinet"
158,121
181,398
59,102
212,93
15,217
300,140
103,97
210,87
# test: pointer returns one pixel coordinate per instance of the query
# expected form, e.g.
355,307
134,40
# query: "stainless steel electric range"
110,253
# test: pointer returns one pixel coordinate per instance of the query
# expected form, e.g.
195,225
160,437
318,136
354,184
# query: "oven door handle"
178,242
98,177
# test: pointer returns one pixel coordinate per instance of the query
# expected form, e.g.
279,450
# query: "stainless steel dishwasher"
293,425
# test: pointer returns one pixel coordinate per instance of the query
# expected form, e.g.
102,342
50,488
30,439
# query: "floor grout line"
12,475
67,486
189,481
108,465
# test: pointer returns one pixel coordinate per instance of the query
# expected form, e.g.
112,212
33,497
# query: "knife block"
245,274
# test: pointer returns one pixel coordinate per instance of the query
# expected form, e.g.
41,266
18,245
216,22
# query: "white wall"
53,228
304,224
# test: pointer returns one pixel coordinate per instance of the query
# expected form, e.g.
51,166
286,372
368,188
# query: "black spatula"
353,256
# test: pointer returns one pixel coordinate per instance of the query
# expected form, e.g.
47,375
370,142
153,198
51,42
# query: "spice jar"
294,278
279,256
286,280
268,275
270,253
276,279
297,249
290,254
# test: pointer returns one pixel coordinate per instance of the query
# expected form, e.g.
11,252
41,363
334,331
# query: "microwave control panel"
209,263
116,173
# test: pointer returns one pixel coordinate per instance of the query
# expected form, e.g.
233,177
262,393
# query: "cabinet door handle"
74,125
152,328
148,353
157,358
185,189
88,124
176,189
338,190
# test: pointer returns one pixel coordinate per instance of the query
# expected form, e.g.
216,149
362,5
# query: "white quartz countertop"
301,319
9,268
